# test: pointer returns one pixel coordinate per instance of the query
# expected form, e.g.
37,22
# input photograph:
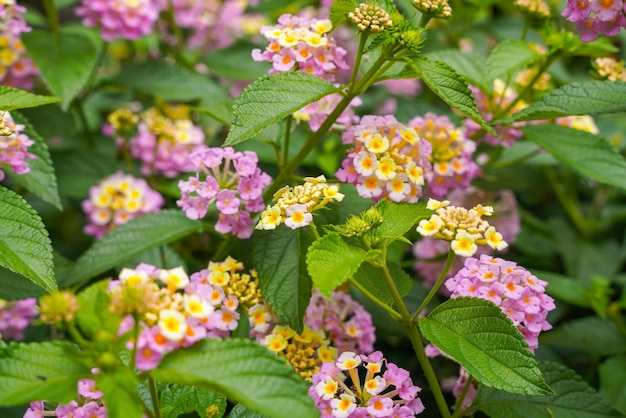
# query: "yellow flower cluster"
610,68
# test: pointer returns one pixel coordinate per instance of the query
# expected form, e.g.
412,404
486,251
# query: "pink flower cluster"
90,404
14,146
303,44
382,394
15,317
596,17
235,188
16,69
344,320
388,160
125,19
451,157
519,294
316,113
116,200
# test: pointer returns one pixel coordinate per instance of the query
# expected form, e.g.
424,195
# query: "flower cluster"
116,200
348,324
451,157
302,44
581,123
537,8
595,17
462,227
15,317
381,394
236,189
306,351
519,294
294,206
610,69
89,405
16,69
316,113
14,144
125,19
370,17
58,307
388,160
435,8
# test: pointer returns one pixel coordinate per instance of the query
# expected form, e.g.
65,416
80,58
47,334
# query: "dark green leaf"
371,278
271,98
506,58
339,11
589,154
24,244
240,411
613,381
119,389
12,99
399,218
469,65
243,370
591,335
564,288
478,335
180,399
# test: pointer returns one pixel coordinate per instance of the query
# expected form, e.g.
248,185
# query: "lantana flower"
16,67
14,145
593,18
16,316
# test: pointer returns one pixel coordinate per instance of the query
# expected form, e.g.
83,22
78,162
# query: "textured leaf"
591,335
93,302
240,411
128,240
41,180
573,398
613,381
280,260
331,261
12,99
339,10
589,154
446,83
243,370
65,59
399,218
469,65
24,244
119,390
506,58
179,399
586,98
35,371
371,278
271,98
478,335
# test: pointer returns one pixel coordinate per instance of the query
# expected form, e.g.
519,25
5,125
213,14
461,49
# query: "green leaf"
613,381
93,302
564,288
130,239
478,335
399,218
180,399
372,279
331,261
573,398
589,154
240,411
24,244
446,83
169,82
471,66
119,390
243,370
12,99
506,58
586,98
66,59
41,180
280,259
339,11
271,98
35,371
592,335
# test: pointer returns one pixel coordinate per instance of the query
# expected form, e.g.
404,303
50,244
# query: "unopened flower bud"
536,8
370,17
58,306
434,8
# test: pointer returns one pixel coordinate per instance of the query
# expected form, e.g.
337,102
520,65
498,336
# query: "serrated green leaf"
41,180
613,381
399,218
66,59
93,302
240,411
446,83
469,65
372,279
331,261
243,370
24,244
506,58
280,259
130,239
180,399
119,392
589,154
586,98
35,371
573,398
339,11
478,335
169,82
590,335
12,99
271,98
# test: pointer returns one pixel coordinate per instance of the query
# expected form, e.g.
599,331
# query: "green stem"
570,204
76,335
525,29
314,231
424,20
392,312
52,13
154,395
133,356
357,59
458,412
438,283
287,138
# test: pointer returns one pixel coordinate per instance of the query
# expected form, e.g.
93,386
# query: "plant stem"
154,395
133,356
287,138
570,204
52,14
458,412
437,285
357,60
392,312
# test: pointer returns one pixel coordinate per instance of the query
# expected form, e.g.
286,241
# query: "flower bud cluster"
14,146
295,205
15,317
58,307
451,157
465,229
116,200
370,17
595,17
519,294
435,8
369,391
537,8
233,181
388,160
610,69
303,44
16,68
